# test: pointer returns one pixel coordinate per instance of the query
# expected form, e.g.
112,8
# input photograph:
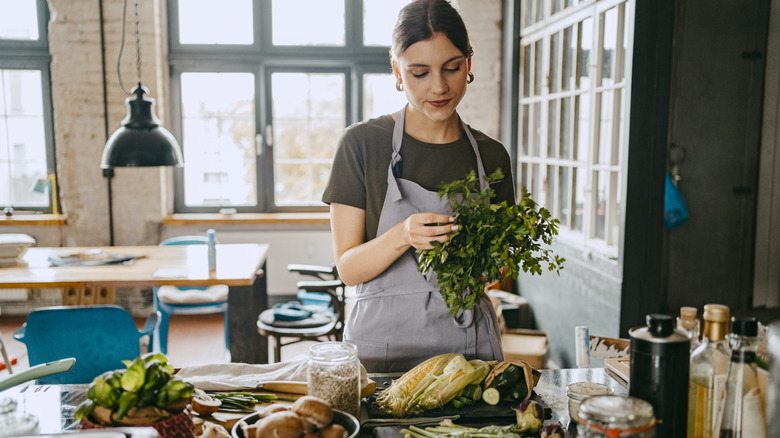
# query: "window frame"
34,55
550,24
262,59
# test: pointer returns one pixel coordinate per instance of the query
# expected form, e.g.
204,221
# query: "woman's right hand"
421,229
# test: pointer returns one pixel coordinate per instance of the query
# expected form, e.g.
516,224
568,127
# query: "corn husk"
431,384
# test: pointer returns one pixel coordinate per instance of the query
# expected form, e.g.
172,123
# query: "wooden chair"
327,322
99,337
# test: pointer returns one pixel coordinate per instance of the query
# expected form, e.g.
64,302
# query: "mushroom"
204,404
314,410
283,424
334,431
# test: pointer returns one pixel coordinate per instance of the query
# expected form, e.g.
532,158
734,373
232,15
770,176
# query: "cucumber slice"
491,396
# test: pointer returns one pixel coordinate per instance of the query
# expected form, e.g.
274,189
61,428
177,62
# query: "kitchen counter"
55,405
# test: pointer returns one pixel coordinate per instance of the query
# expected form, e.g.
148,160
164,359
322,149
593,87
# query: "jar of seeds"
334,375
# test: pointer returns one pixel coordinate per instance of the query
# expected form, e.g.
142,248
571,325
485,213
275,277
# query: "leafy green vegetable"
147,381
489,237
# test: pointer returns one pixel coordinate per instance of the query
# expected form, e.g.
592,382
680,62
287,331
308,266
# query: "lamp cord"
137,44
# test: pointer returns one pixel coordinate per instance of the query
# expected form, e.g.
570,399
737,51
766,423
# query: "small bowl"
579,391
348,421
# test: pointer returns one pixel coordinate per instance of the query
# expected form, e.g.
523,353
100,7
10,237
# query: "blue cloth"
675,210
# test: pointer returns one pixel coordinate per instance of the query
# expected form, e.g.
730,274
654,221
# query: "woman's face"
434,74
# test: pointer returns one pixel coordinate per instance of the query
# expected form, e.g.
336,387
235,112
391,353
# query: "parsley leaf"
489,237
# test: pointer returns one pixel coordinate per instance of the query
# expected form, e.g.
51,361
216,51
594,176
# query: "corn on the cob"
395,399
431,384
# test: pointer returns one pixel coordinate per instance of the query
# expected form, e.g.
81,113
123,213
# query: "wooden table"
240,266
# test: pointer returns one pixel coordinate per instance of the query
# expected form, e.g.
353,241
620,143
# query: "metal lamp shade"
141,141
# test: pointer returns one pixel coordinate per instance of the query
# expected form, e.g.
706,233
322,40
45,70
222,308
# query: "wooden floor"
192,340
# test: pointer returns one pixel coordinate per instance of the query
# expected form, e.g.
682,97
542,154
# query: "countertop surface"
55,405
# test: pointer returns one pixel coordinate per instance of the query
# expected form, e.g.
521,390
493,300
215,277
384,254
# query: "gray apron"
399,318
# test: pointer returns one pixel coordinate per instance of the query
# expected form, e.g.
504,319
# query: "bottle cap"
688,312
744,326
716,313
660,325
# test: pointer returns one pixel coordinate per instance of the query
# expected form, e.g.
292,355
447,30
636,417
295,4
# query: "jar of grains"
334,375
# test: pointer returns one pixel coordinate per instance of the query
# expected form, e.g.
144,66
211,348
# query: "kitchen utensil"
38,371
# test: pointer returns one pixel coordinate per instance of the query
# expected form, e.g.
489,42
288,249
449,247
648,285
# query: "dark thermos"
660,358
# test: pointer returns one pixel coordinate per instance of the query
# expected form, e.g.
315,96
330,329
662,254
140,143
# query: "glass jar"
615,416
334,375
579,391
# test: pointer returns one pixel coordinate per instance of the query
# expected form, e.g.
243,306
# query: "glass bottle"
709,366
773,388
742,414
688,324
212,251
334,375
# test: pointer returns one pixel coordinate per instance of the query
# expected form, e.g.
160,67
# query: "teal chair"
192,300
99,337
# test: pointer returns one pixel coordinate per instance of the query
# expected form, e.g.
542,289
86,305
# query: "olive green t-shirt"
359,174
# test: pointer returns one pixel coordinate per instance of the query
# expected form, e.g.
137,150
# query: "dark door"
717,91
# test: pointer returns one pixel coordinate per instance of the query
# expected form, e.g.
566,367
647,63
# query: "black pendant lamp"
141,141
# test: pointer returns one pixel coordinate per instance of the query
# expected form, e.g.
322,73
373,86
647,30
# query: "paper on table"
242,376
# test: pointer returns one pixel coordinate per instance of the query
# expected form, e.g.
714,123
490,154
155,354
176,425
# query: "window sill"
248,219
33,220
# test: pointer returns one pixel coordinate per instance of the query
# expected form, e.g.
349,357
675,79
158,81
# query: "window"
262,89
26,145
573,106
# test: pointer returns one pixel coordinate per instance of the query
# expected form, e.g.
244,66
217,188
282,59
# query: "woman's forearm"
363,262
359,261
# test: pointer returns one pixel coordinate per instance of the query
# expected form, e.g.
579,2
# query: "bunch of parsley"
489,237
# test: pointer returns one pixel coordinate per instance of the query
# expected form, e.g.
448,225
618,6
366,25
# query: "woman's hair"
420,19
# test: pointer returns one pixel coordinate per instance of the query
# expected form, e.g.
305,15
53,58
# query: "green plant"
489,237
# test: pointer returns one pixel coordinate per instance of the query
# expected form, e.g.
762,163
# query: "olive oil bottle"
709,366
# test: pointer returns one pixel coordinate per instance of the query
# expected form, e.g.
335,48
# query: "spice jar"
615,416
334,375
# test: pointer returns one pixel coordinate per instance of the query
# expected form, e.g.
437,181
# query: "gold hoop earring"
471,78
399,85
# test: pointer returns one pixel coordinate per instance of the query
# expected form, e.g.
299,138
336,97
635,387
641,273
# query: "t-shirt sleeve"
347,183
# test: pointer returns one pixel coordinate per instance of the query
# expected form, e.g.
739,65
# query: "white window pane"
309,114
609,45
22,139
308,23
18,20
218,124
379,17
607,125
579,198
586,42
200,22
380,96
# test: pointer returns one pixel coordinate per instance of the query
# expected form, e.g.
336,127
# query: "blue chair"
192,300
99,337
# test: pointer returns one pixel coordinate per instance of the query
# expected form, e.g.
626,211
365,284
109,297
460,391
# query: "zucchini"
466,401
472,391
457,403
510,376
491,396
519,390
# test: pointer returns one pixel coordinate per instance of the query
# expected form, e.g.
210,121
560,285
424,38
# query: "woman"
384,203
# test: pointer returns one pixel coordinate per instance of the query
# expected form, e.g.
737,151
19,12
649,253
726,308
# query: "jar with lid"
615,416
334,375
